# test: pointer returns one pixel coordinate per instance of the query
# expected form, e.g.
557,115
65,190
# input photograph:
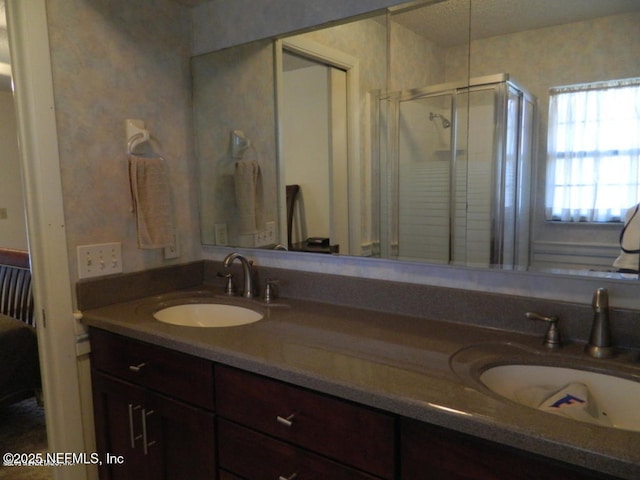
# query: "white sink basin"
207,315
612,402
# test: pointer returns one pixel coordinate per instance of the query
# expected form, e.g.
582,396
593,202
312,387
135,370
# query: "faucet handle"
270,290
229,288
552,337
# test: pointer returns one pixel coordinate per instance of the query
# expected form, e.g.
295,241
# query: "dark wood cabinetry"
434,453
150,418
185,377
154,409
255,456
315,433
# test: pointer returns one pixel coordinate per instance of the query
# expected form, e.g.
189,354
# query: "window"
593,150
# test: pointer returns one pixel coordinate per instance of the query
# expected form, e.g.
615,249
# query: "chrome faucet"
249,286
599,345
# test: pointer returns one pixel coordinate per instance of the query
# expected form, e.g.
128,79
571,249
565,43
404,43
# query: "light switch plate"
99,259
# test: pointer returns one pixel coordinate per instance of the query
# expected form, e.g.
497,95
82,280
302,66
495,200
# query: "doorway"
314,152
40,166
22,416
318,124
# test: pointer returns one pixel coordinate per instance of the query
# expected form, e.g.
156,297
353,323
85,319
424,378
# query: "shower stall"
455,168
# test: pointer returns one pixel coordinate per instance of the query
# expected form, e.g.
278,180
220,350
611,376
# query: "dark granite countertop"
414,367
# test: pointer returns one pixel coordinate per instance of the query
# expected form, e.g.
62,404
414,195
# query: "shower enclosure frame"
505,253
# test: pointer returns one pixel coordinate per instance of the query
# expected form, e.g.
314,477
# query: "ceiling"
441,21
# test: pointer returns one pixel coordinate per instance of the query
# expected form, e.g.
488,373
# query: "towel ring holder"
139,138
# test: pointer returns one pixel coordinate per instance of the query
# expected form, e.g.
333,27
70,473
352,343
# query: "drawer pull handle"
291,477
287,422
137,368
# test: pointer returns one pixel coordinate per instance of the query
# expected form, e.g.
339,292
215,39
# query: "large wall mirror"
419,134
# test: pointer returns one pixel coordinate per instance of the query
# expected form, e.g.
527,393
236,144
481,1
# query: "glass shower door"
424,178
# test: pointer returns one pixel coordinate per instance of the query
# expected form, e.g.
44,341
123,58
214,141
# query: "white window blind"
593,149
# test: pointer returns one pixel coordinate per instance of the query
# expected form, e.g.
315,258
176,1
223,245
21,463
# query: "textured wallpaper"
582,52
223,23
112,61
234,89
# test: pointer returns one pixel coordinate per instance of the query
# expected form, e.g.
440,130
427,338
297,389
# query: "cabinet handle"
145,443
137,368
287,422
132,435
290,477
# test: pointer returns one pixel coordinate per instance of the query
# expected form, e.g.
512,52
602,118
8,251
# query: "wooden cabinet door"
117,409
180,440
157,437
434,453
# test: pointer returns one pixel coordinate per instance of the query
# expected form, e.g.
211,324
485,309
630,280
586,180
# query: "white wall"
305,122
13,229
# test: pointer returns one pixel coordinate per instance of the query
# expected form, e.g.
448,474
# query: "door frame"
40,165
335,58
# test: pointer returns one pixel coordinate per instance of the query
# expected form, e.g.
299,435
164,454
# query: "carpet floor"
22,430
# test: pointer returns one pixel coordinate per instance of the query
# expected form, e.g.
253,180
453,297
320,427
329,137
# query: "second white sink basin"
207,315
616,398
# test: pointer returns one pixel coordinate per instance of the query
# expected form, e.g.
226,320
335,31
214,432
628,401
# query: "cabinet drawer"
349,433
250,454
176,374
447,455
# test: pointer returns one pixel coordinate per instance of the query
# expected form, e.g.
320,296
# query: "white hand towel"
247,183
152,205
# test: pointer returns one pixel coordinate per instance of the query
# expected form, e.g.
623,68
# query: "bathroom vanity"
155,408
156,414
322,391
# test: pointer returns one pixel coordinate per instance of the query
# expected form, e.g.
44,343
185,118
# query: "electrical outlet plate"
270,233
260,238
174,250
99,259
222,236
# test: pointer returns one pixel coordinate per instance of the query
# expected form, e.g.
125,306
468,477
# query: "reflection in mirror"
350,62
313,112
412,57
472,199
306,134
573,42
453,187
234,90
536,49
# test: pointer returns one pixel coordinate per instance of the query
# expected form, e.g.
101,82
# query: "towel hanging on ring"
247,180
152,204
